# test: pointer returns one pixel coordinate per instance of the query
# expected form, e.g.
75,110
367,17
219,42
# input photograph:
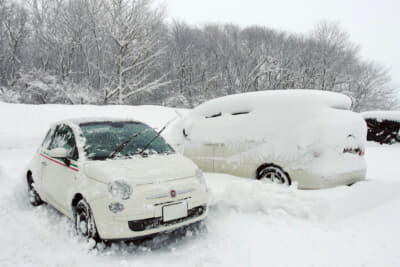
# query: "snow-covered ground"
249,223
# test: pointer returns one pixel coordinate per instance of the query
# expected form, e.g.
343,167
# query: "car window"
47,140
240,113
102,138
213,115
64,138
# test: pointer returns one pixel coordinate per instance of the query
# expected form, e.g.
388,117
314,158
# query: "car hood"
153,169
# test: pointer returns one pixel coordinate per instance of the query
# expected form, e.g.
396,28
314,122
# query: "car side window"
64,138
47,140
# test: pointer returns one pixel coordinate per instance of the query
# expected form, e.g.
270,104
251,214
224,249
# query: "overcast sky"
372,24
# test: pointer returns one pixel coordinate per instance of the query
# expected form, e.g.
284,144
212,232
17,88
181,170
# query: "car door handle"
44,163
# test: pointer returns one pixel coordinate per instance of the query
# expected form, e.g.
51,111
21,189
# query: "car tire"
273,174
34,197
84,221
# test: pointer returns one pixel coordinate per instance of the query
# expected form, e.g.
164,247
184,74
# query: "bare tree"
370,88
134,30
14,32
121,51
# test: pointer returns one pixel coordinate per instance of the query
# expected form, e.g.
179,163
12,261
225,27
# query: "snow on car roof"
247,102
380,115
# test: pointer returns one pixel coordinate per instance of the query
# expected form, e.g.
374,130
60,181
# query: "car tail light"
316,154
358,151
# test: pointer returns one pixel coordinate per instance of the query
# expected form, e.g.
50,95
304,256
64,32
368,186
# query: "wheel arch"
29,178
74,202
262,166
28,174
77,197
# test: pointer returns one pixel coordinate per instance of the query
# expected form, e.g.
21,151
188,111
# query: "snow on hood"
153,169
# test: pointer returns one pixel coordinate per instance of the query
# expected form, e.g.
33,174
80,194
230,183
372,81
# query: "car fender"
34,166
88,188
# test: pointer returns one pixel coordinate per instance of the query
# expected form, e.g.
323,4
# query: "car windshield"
103,138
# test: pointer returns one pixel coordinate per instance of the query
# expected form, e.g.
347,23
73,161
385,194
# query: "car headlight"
119,189
200,177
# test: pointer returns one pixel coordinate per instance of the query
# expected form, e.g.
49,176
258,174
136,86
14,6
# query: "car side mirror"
59,152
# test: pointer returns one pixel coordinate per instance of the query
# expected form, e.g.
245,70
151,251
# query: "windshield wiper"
155,137
123,145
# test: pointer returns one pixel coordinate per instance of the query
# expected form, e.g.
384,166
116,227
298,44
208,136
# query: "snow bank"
253,196
381,115
249,223
25,125
230,193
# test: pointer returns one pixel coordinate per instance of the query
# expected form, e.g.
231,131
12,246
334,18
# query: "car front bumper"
144,218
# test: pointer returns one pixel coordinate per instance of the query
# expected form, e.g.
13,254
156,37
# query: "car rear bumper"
307,180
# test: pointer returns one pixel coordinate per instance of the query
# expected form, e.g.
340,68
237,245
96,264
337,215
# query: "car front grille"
151,223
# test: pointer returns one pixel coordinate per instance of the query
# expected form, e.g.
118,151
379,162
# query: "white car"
117,179
282,136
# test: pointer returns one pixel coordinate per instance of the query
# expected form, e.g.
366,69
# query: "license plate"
175,211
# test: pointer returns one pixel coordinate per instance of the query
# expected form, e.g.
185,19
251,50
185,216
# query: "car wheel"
84,221
273,174
34,197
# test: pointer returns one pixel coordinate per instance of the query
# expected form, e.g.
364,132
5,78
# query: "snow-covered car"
282,136
117,179
383,126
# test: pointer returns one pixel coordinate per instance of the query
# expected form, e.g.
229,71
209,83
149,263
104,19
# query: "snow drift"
249,224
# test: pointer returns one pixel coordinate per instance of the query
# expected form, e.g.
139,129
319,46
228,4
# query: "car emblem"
173,193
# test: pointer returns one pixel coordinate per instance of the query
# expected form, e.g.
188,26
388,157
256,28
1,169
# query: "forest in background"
125,52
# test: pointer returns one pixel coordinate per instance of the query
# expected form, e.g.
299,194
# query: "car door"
198,147
58,175
234,157
231,155
202,154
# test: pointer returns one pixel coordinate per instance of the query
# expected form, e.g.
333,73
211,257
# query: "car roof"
261,100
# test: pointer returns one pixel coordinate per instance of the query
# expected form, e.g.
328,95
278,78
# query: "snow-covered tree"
134,29
14,31
122,51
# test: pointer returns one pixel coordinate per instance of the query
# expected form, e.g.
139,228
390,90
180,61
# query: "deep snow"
249,223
